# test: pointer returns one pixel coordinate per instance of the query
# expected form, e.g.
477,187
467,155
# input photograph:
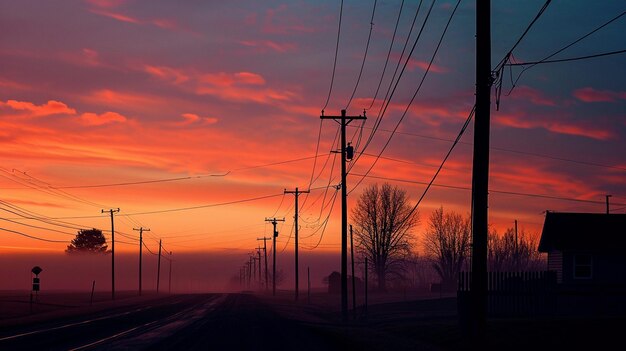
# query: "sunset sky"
192,117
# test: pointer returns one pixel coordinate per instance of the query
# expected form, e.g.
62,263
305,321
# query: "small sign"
36,270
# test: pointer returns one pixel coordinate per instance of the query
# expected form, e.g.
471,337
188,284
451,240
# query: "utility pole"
353,281
111,211
267,286
480,170
344,120
607,203
141,230
516,249
169,288
159,266
296,193
258,251
274,221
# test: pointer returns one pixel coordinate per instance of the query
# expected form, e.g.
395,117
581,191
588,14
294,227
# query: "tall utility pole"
159,266
296,193
607,203
344,120
274,221
111,211
141,230
267,286
480,169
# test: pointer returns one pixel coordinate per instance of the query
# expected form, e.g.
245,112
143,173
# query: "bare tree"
383,221
447,244
511,252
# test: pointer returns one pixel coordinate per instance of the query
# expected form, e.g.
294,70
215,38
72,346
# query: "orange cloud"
166,73
93,119
50,108
589,94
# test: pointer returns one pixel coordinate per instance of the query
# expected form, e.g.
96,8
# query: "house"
586,249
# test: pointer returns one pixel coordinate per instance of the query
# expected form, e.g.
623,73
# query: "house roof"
583,231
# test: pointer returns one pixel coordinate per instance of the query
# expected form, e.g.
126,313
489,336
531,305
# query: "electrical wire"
367,46
332,79
32,236
567,59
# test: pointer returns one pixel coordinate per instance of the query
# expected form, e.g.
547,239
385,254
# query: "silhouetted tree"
447,244
507,254
88,241
383,219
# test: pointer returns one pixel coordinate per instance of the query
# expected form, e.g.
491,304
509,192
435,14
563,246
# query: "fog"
191,272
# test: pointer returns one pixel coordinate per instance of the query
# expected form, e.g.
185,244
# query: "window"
582,266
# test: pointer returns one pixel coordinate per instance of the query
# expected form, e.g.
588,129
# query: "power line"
393,37
416,92
568,59
332,79
367,46
503,192
32,236
519,76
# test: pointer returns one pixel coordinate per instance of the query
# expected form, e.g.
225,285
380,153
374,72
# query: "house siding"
555,263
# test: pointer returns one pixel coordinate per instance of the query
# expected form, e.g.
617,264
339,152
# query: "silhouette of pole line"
265,254
567,59
332,78
37,227
503,192
274,221
111,211
480,173
296,193
500,149
32,236
344,120
159,268
141,230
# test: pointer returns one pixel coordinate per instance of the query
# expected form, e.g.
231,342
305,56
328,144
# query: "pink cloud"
167,73
423,65
192,118
553,126
50,108
93,119
106,3
589,94
535,96
117,16
250,78
265,45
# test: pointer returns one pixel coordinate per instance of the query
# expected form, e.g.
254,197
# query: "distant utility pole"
274,221
170,282
607,203
159,266
344,120
267,286
296,193
258,251
480,170
111,211
141,230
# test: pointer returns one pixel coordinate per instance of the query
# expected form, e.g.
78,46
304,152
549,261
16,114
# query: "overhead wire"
332,79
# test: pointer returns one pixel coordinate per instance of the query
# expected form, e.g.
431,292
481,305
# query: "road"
180,322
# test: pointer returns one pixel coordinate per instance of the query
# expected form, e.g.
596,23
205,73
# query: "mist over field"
191,272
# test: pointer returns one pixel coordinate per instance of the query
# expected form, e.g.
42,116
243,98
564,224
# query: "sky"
193,117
